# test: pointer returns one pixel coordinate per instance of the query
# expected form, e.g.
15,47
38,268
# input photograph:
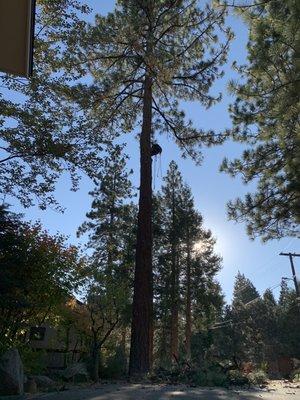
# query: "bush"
215,378
258,377
33,360
296,375
199,378
115,366
264,366
237,377
208,375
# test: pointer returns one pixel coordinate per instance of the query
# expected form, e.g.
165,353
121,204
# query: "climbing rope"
154,172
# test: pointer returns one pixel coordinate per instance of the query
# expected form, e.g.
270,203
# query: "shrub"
237,377
258,377
199,378
264,366
215,378
33,360
210,374
115,366
296,375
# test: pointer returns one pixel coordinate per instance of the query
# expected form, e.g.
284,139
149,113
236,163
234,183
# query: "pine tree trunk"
123,349
163,345
141,329
174,312
188,310
109,267
174,291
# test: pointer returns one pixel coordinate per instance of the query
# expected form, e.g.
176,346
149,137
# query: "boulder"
43,382
11,373
296,363
30,386
76,372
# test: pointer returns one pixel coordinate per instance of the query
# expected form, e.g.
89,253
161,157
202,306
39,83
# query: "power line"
291,255
224,324
267,264
259,272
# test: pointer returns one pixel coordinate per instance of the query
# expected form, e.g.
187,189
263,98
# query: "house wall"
61,347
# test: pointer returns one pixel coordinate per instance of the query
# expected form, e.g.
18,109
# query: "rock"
63,388
296,363
11,373
43,382
76,371
30,386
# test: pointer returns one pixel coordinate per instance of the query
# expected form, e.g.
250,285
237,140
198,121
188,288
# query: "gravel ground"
275,391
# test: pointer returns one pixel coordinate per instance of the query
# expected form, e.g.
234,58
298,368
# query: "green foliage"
110,223
258,332
185,264
296,375
115,366
238,378
95,81
200,344
240,338
266,118
42,135
244,291
215,378
258,377
289,322
206,375
111,227
210,375
33,360
177,46
38,273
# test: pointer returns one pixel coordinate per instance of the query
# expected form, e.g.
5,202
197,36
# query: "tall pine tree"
143,59
185,267
110,227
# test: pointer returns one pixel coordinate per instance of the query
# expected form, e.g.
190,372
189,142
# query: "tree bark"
142,325
174,314
123,349
68,329
174,290
188,310
95,363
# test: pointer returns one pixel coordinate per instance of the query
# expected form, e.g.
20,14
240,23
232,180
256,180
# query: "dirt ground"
274,391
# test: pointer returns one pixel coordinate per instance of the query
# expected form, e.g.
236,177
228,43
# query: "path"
167,392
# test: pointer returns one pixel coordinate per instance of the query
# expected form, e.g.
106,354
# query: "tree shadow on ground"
151,392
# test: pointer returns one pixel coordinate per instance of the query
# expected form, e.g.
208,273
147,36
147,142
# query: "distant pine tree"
111,229
188,298
244,291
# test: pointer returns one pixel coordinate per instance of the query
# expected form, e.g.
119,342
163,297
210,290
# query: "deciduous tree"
38,273
42,135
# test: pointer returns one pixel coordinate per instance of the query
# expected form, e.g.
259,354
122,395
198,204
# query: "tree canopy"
266,117
38,273
42,135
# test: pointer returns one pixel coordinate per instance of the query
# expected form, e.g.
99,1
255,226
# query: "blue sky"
211,189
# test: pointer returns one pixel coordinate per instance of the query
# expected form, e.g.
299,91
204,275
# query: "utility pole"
291,255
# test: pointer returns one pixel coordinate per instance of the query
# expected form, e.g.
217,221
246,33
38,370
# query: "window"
37,333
